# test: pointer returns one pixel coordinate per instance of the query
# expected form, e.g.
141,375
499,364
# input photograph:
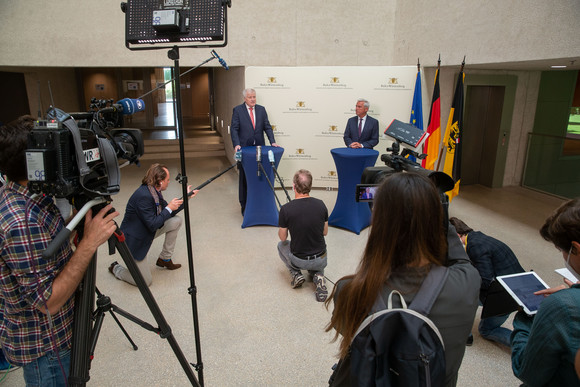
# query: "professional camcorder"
76,154
395,162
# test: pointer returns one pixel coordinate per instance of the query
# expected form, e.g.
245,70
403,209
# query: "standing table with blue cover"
260,203
350,164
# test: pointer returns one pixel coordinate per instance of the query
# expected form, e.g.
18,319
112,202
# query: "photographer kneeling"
36,293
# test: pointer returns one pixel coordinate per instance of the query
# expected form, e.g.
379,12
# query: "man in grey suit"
362,131
249,122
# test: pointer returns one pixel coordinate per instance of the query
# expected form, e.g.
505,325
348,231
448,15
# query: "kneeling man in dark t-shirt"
307,220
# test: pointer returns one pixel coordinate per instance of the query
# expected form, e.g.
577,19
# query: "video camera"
77,154
395,162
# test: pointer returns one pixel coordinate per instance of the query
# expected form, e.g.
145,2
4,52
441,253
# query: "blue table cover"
260,203
350,164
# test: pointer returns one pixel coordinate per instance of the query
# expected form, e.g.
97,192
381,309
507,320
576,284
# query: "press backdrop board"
308,108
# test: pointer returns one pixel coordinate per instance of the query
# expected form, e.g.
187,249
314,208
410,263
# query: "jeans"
46,371
294,264
490,328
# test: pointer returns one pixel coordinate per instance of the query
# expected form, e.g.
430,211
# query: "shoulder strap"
427,294
430,289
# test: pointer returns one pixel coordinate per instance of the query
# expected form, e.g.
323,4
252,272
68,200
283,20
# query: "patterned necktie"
252,117
359,127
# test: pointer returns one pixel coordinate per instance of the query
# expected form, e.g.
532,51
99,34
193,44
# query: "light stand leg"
164,330
174,54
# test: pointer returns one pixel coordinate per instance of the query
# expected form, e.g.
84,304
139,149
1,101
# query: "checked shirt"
26,228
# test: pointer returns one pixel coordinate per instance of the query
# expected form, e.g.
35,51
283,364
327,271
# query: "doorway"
481,131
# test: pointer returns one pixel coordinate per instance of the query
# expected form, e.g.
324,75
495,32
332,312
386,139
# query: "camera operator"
36,293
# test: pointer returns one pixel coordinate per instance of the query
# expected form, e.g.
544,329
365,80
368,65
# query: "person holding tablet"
544,346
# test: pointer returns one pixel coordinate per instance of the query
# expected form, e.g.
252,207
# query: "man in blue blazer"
362,131
147,217
249,122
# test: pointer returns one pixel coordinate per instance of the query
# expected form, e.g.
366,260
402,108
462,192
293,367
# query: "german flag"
431,146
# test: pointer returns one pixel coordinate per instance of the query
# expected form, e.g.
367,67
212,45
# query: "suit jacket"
243,132
141,221
491,257
370,133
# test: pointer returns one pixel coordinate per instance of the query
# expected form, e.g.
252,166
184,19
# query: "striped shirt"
27,226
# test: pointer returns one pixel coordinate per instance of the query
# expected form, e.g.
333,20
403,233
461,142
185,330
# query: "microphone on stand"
222,62
258,157
131,106
271,157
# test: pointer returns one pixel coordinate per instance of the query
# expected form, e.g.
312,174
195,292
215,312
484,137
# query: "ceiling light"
558,66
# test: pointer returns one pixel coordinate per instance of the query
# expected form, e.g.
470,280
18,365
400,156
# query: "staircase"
195,143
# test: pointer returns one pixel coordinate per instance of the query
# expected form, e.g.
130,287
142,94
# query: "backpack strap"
430,289
425,297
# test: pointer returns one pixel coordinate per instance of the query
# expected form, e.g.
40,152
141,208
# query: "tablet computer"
521,287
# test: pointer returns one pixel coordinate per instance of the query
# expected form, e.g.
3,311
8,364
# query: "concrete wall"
486,31
303,33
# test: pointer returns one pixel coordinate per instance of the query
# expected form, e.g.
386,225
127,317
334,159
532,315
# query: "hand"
100,227
175,203
237,148
355,145
547,292
193,193
275,145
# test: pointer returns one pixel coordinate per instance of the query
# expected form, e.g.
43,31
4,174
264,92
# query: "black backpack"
397,346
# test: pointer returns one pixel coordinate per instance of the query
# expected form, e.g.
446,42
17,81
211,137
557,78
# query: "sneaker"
297,280
321,291
112,267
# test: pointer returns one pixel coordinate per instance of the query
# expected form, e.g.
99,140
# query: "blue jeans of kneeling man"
295,264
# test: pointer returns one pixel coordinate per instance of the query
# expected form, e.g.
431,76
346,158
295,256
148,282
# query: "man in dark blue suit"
147,217
362,131
249,122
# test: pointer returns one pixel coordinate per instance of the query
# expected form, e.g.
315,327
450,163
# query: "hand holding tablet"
521,287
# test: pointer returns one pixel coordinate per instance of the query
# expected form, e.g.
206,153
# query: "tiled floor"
255,330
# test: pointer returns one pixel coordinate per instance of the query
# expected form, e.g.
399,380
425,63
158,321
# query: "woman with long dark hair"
408,237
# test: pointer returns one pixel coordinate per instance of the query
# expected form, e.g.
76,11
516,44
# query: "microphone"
258,157
222,62
271,157
131,106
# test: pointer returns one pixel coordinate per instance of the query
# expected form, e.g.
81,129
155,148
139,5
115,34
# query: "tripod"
84,338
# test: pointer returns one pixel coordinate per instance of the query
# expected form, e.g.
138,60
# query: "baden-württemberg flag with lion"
452,139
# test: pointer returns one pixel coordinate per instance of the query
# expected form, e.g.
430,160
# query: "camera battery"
166,20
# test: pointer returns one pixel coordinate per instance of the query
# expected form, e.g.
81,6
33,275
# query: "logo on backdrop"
331,131
301,154
272,83
279,131
392,83
333,83
330,176
300,107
